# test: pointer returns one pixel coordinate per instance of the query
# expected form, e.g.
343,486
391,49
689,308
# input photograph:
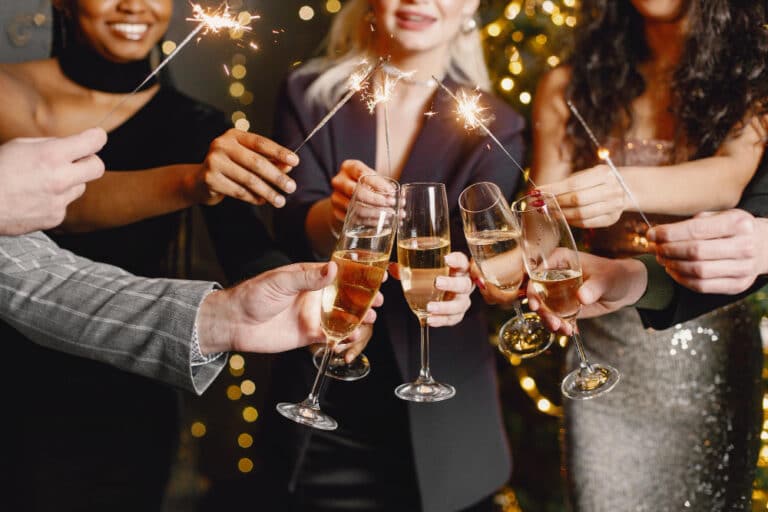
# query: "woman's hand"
491,293
592,198
344,184
245,166
458,287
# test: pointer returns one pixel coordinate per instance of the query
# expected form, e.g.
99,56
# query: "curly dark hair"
721,77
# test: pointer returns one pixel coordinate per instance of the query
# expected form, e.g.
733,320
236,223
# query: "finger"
456,284
220,184
394,270
724,285
73,193
369,317
553,322
343,186
717,249
444,321
86,169
266,147
340,203
601,221
75,147
581,180
458,262
458,306
260,169
597,194
593,210
711,269
722,225
300,277
355,168
378,300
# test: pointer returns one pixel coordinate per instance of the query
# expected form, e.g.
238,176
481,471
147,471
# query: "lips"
130,31
411,20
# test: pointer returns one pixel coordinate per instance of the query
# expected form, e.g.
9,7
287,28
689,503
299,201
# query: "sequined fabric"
681,429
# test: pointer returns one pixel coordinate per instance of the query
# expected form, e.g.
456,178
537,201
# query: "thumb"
591,291
301,277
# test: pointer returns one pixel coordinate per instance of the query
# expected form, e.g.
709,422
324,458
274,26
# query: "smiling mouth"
132,31
414,17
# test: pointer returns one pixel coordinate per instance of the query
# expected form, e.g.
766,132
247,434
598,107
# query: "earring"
468,25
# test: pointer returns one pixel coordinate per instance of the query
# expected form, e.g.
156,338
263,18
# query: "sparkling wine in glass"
376,199
361,255
493,236
423,242
552,262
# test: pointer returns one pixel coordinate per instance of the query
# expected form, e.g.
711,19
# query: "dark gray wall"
198,69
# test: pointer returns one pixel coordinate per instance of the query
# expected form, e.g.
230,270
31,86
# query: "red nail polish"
538,203
479,282
535,192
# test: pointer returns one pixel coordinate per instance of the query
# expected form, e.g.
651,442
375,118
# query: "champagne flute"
493,235
423,242
377,197
362,255
552,262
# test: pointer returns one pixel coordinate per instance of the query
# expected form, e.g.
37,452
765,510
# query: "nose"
132,6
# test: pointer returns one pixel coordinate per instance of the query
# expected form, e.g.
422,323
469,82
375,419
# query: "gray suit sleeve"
97,311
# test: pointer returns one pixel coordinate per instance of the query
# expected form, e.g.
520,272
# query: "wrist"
636,276
194,188
214,321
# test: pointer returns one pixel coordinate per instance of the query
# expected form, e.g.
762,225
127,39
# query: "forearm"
100,312
708,184
121,198
318,226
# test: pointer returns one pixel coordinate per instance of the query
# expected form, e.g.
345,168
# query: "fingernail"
324,270
432,307
535,192
479,282
651,235
290,186
441,281
538,203
279,201
292,159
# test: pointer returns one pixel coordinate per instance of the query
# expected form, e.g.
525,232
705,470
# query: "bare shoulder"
23,85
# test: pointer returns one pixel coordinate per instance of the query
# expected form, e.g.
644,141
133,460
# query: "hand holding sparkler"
245,166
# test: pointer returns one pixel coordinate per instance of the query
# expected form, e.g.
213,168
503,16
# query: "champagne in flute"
422,260
497,253
493,236
423,243
557,289
348,298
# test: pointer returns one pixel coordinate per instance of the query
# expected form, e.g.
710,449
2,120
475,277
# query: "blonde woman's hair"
351,40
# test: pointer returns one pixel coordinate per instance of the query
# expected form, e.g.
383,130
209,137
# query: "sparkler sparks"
605,156
469,109
357,81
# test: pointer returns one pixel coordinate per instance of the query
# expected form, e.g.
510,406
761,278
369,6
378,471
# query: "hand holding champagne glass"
552,262
362,255
493,235
376,199
423,242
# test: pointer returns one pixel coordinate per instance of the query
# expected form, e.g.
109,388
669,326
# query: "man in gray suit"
171,330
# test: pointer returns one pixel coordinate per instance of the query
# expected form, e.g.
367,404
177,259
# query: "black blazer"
459,446
688,304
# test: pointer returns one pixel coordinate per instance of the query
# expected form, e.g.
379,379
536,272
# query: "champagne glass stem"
576,337
425,374
313,398
519,316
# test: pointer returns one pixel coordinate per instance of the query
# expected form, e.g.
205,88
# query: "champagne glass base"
524,338
339,369
423,391
582,384
306,415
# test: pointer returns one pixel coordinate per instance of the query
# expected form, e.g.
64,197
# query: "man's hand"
608,286
245,166
720,252
40,177
273,312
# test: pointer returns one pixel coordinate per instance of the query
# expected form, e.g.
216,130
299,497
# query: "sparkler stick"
356,84
605,156
210,22
470,111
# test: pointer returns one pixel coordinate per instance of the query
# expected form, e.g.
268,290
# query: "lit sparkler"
605,155
208,22
469,109
355,84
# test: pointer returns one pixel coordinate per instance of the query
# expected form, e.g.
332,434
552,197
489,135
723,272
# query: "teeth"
131,30
414,17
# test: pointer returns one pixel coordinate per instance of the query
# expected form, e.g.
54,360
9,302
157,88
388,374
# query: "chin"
661,10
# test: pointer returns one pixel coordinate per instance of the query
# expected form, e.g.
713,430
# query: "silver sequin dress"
681,429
